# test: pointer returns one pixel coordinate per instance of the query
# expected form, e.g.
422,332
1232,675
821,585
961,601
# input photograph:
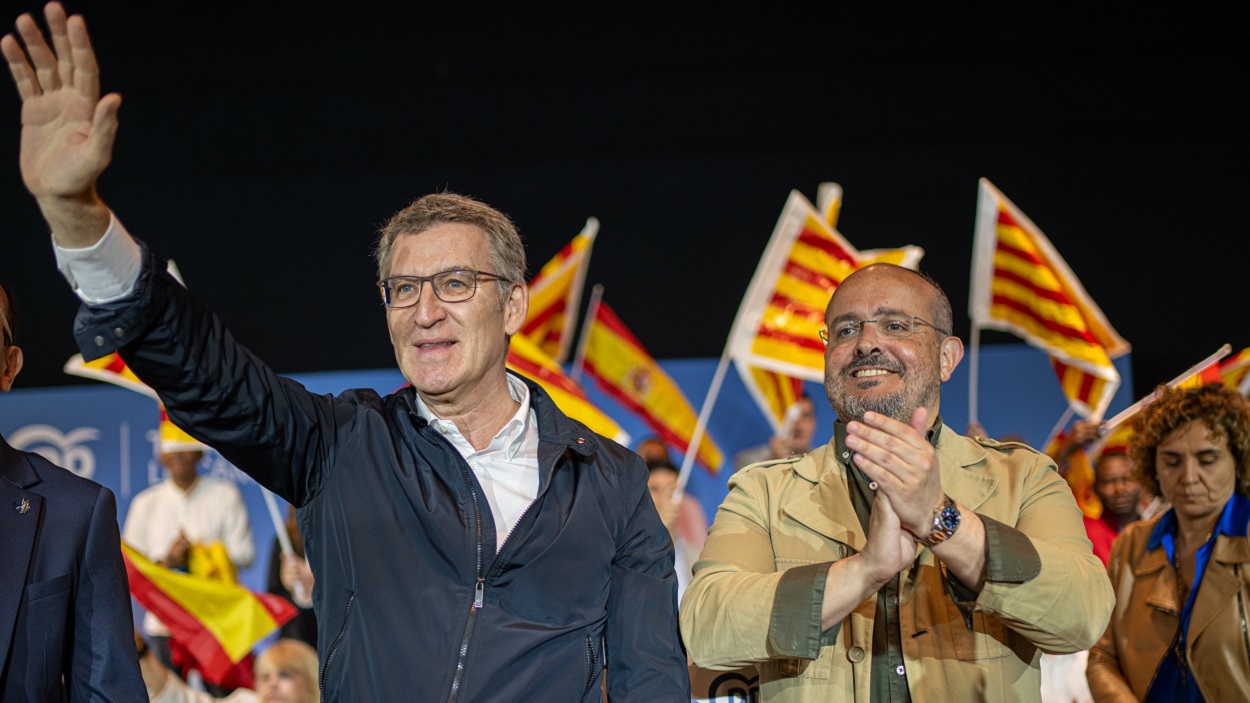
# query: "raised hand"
902,463
67,129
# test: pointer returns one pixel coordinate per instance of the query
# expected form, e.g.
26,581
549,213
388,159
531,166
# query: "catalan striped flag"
556,293
624,370
1235,371
778,324
216,621
775,392
1021,285
525,358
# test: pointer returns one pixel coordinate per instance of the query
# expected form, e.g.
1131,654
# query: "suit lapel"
20,514
954,457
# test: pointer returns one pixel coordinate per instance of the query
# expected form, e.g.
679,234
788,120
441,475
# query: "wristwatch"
946,519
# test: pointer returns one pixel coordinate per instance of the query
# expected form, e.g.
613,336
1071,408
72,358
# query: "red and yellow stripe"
525,358
218,622
555,294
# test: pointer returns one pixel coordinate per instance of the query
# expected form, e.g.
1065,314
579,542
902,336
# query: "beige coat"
1147,615
785,514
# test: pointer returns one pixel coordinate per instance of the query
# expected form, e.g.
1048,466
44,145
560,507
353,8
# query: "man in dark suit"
65,624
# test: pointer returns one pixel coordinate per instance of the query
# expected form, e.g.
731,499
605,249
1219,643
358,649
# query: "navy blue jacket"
65,626
412,602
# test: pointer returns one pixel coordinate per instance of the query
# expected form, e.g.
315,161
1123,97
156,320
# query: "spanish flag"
1021,285
525,358
625,371
556,293
218,622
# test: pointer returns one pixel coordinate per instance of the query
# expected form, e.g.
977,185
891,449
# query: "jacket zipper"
334,648
546,487
478,589
591,666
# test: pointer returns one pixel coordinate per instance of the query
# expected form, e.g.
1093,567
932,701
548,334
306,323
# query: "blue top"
1173,682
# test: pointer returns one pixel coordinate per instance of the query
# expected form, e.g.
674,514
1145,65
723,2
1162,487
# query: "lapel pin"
24,507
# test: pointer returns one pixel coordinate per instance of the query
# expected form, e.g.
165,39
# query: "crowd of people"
462,538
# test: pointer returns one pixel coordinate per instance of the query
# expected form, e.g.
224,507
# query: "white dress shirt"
508,467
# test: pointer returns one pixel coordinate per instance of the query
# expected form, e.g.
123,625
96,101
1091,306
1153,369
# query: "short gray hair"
507,253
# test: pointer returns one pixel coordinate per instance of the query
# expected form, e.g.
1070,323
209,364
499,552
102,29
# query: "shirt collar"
839,436
511,436
1234,521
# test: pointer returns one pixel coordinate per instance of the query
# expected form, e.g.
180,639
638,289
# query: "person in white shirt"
167,518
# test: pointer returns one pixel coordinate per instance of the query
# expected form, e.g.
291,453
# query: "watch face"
949,518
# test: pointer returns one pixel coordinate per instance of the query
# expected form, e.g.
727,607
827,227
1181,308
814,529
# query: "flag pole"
974,364
692,450
596,294
1063,422
1193,371
284,540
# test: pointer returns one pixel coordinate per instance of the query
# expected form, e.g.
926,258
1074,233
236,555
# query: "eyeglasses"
896,327
448,286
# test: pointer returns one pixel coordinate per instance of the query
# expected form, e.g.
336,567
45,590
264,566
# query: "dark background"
262,146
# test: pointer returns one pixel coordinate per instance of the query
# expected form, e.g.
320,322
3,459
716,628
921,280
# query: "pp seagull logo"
63,449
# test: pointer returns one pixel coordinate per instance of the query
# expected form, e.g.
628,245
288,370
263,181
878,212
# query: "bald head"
891,346
939,306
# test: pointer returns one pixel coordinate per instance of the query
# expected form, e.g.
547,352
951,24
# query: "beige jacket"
1147,615
792,513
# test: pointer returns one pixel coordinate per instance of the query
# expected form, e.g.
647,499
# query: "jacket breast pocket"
988,638
49,588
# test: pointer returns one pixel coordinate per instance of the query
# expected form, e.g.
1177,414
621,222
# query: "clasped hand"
904,465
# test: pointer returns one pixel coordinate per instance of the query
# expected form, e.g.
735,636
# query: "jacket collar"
827,508
554,427
15,467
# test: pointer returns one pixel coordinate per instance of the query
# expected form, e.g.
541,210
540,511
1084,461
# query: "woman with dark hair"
1182,580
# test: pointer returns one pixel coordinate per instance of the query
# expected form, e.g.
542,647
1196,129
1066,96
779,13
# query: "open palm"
67,130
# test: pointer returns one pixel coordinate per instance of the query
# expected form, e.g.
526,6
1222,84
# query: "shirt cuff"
795,628
105,271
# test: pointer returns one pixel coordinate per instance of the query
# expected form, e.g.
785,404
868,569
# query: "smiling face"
453,353
879,374
1197,472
